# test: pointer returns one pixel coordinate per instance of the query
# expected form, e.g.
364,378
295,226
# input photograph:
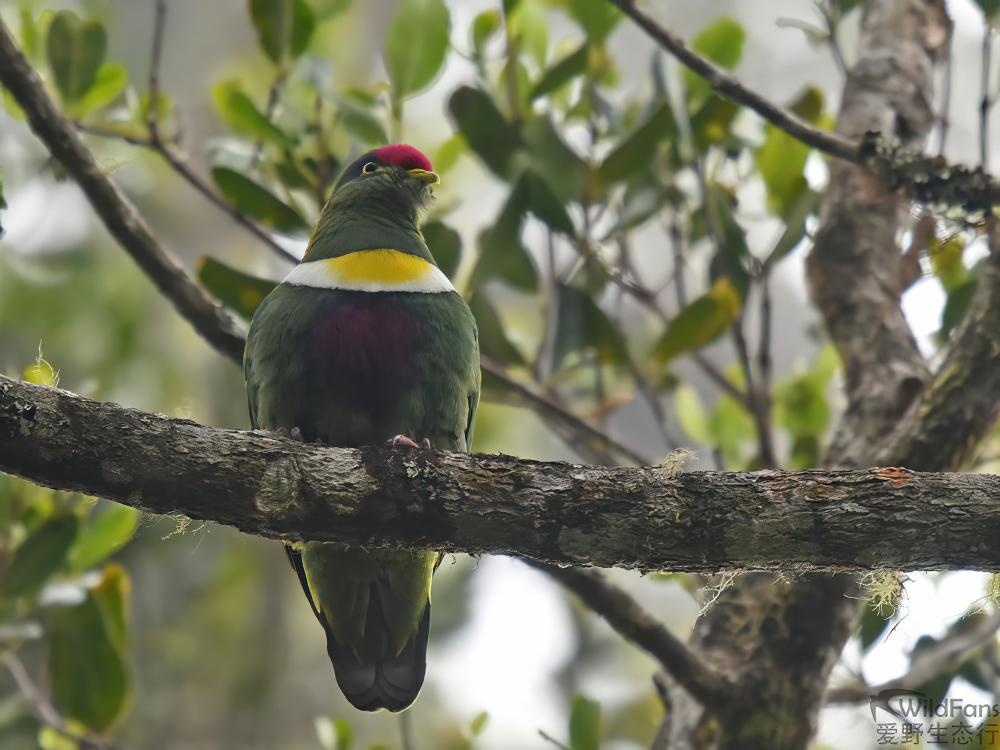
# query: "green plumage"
352,368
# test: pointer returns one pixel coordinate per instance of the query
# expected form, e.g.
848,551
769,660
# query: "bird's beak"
431,178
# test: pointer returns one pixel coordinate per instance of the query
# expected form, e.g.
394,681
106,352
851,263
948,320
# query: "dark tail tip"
393,683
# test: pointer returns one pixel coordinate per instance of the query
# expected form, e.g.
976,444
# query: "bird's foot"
403,440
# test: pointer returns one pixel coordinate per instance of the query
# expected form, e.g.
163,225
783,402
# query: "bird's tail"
392,682
375,609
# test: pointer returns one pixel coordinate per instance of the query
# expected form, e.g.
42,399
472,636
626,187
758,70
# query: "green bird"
367,341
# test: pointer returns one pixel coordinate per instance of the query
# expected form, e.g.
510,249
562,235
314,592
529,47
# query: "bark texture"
555,512
778,639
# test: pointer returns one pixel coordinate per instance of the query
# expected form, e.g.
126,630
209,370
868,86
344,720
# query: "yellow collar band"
382,270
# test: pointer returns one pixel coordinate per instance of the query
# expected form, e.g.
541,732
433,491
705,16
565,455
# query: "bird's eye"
369,168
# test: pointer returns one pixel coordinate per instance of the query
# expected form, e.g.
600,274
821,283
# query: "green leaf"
691,414
634,152
416,44
562,72
701,322
488,134
238,291
445,245
712,121
733,255
544,204
947,262
731,427
552,158
528,27
283,26
722,43
598,19
103,535
484,26
501,252
582,325
303,26
108,86
360,122
87,662
76,50
782,159
39,556
584,724
238,111
478,724
795,226
257,201
493,339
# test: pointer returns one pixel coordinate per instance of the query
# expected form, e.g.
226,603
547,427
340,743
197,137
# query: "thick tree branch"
553,512
922,177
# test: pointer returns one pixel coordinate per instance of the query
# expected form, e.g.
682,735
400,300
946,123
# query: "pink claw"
402,440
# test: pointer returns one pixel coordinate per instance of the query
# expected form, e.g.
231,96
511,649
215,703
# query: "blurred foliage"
623,271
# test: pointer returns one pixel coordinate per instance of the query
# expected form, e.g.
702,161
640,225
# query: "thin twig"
153,106
635,624
944,118
43,709
985,102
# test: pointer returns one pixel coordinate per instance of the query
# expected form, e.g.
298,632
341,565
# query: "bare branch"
635,624
548,511
946,655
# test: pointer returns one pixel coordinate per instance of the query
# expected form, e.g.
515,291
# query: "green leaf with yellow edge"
701,322
75,49
633,153
105,532
239,291
238,111
584,724
493,340
257,201
445,245
582,325
598,19
88,669
416,44
284,27
39,556
486,131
